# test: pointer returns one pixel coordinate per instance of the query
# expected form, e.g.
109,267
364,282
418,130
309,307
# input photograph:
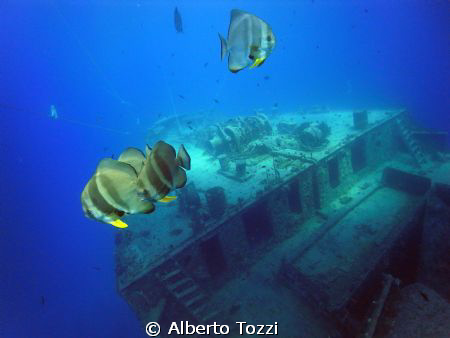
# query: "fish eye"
269,38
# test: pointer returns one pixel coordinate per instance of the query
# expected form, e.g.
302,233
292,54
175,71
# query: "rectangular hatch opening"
213,256
333,172
316,190
358,154
258,224
294,200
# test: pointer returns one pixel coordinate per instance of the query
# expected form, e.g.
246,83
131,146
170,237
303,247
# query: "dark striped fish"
96,207
249,42
163,172
177,20
131,184
117,183
112,191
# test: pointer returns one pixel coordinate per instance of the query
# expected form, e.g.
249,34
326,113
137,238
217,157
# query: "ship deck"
151,239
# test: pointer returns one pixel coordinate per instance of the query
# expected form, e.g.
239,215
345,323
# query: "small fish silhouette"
177,20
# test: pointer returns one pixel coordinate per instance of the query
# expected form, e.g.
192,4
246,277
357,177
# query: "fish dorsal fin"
237,13
133,157
237,27
148,150
162,147
114,165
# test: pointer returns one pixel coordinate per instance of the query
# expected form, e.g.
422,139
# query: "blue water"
114,67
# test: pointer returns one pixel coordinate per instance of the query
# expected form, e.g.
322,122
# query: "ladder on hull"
186,291
410,142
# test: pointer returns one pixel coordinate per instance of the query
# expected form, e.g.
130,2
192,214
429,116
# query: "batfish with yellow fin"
129,185
249,42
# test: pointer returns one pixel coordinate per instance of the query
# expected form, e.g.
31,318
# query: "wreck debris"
372,321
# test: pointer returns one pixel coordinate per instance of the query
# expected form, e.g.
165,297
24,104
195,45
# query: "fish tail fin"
183,159
180,178
223,47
